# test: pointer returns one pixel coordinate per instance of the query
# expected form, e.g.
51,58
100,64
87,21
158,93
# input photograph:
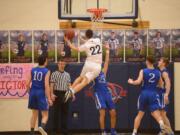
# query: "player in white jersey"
92,67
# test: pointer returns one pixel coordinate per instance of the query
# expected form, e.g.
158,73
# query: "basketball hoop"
97,14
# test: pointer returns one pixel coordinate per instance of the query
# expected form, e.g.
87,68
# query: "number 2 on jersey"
95,50
152,76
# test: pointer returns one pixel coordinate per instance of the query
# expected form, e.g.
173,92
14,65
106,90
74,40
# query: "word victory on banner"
13,80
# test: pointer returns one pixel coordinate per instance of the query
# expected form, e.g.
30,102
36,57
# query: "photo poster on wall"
159,43
115,39
82,40
4,46
135,45
44,44
63,50
24,46
21,46
175,43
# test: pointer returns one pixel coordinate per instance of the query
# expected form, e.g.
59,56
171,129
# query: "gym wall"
42,14
177,95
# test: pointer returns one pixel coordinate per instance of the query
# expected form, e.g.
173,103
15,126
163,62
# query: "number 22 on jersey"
95,50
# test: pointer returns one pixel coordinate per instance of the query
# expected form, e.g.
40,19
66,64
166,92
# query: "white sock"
134,131
72,90
161,123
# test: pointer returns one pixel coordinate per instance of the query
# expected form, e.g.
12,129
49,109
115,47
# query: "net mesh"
97,17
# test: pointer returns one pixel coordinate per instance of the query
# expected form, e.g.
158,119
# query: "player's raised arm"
139,79
106,63
82,39
167,82
47,87
72,46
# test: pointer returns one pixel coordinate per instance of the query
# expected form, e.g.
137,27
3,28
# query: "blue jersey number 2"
151,79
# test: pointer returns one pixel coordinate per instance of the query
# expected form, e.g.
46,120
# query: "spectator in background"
59,82
159,44
178,46
137,44
21,45
113,44
66,53
44,45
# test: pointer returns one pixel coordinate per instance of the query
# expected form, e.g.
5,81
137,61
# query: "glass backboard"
117,9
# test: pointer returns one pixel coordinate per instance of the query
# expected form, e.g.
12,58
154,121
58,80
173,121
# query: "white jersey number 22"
95,50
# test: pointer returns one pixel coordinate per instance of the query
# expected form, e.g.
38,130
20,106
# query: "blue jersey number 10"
38,76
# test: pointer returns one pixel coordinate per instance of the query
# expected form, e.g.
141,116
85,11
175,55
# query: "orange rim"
97,10
97,13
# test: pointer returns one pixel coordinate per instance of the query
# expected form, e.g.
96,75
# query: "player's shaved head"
150,59
89,33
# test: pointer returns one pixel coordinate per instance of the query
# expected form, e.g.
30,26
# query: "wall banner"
13,80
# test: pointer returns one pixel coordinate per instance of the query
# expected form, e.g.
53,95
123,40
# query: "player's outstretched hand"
50,102
130,81
53,97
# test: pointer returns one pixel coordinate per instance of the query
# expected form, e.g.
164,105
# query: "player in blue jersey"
165,91
103,97
149,98
39,94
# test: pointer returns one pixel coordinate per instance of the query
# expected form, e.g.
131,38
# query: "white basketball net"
97,17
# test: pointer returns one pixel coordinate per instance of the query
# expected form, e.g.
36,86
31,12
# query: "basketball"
70,34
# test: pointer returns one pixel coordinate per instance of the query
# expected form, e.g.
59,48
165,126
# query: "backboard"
117,9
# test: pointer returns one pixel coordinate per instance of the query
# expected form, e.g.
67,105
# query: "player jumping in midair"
92,67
